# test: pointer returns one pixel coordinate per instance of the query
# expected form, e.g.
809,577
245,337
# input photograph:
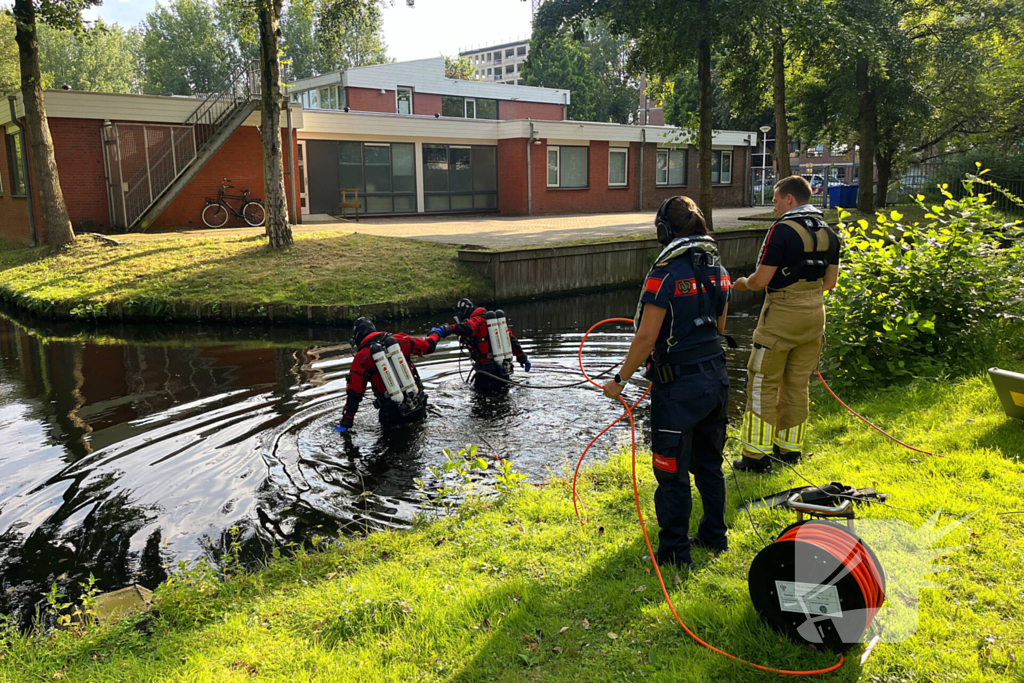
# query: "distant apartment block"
500,63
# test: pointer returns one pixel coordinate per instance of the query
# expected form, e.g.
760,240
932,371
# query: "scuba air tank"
497,349
387,373
400,365
503,336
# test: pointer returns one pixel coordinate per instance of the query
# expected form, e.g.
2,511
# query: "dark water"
127,449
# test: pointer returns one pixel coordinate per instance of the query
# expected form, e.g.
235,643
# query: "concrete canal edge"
517,275
544,271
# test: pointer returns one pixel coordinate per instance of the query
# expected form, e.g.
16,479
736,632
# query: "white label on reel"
808,598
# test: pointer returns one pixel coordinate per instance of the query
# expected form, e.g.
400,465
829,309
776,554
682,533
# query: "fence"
904,187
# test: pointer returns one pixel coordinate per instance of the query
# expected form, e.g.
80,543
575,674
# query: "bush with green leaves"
928,299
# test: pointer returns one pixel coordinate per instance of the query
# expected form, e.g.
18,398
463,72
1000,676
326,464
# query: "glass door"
303,181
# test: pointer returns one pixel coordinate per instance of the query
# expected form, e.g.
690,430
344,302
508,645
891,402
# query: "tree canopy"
459,68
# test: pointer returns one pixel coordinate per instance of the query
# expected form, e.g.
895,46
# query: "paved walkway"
484,231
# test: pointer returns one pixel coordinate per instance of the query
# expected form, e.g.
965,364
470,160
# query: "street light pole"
764,156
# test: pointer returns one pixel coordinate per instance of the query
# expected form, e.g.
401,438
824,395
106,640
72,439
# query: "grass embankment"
517,591
90,278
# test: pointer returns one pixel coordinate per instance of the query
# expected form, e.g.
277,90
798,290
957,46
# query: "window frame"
398,98
364,195
815,152
558,152
449,193
16,166
721,154
668,166
625,152
465,107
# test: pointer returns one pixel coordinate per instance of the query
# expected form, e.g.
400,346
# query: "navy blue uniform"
689,406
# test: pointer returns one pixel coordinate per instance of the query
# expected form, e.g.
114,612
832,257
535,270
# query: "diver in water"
490,342
384,361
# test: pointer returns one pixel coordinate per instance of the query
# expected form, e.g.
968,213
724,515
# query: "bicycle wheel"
254,214
215,216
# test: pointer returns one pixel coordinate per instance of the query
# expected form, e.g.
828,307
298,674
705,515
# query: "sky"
431,28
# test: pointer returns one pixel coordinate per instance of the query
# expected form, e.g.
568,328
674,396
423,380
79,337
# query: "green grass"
319,269
517,591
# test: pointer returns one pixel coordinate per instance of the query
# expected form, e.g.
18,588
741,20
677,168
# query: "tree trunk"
868,123
705,199
781,124
884,162
279,232
44,166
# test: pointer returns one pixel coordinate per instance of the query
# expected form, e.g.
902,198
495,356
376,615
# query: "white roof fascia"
427,76
615,132
304,84
369,125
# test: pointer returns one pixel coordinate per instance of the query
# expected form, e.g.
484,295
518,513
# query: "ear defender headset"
664,226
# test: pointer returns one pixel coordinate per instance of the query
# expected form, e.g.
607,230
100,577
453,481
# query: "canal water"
126,449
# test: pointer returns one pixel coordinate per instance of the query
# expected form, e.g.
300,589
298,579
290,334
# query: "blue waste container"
844,196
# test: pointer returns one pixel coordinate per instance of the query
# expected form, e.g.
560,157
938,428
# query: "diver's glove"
525,362
441,332
343,426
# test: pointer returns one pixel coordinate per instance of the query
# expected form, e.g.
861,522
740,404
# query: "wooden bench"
345,205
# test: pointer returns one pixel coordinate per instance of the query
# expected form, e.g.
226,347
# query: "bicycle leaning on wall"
217,211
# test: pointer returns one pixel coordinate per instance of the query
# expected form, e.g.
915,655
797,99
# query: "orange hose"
643,527
871,424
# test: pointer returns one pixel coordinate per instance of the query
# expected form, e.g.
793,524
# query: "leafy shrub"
927,299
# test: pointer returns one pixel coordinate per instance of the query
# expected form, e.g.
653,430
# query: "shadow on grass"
616,631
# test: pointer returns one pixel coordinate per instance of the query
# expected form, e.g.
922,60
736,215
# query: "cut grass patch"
517,591
327,268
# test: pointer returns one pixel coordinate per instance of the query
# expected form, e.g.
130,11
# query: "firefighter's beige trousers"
787,343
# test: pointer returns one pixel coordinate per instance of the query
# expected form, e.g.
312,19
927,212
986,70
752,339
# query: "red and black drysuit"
472,332
364,370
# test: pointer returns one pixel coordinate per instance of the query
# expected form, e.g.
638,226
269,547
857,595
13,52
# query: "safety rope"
871,424
643,526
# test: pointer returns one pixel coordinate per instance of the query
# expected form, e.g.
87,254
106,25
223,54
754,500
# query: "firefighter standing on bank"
799,262
679,319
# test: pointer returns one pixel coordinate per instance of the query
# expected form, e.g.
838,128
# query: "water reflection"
131,447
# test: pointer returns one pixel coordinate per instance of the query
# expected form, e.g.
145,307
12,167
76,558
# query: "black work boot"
757,465
789,457
698,542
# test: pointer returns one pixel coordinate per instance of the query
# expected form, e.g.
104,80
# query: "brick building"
408,139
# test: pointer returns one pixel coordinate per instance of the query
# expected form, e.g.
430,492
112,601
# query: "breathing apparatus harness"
403,389
816,241
701,253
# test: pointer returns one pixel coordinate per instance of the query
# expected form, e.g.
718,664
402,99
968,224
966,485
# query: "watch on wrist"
619,380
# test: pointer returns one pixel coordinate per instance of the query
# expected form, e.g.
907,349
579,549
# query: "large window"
460,177
384,174
670,169
618,165
468,107
568,167
17,166
721,167
521,50
404,97
331,97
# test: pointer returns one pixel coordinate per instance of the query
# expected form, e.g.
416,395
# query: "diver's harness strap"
815,262
703,254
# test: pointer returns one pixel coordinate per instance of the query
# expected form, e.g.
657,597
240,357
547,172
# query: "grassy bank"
92,278
516,591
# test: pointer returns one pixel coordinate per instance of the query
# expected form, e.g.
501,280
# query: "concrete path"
483,231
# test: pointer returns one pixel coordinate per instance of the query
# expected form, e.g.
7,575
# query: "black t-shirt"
784,248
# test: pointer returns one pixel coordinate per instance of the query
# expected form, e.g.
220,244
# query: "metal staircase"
147,165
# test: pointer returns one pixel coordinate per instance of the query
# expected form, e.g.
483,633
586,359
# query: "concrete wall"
525,273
